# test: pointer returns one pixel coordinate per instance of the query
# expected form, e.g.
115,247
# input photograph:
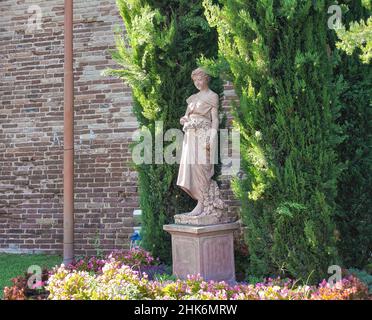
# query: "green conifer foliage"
354,199
277,56
157,54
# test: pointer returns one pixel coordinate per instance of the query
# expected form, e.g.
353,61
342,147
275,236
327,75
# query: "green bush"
164,40
354,201
276,55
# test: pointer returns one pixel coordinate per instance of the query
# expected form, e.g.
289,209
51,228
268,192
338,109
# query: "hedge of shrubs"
123,276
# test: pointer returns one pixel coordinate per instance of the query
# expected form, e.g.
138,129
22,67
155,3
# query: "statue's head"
200,78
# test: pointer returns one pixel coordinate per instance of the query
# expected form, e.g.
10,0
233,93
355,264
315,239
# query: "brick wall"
31,131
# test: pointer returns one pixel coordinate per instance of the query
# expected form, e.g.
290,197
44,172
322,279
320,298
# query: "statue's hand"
183,120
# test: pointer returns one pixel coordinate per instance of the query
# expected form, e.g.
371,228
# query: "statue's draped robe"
197,164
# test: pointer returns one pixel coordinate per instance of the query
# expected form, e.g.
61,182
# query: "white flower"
258,135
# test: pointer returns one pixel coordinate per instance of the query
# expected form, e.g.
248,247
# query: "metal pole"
68,159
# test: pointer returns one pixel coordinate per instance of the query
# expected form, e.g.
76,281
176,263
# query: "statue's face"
200,82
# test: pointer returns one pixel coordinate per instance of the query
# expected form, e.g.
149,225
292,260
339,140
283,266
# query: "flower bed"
22,291
125,276
120,282
138,259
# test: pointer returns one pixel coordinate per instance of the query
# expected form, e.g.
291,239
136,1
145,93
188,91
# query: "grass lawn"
12,265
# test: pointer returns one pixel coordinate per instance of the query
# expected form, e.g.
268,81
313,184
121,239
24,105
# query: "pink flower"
37,285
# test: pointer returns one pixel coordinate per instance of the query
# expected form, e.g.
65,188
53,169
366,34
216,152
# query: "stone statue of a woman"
200,125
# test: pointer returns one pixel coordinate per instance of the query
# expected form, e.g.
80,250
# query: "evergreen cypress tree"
277,56
158,53
354,199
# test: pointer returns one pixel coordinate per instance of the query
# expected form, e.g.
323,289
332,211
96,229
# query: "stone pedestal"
207,250
206,220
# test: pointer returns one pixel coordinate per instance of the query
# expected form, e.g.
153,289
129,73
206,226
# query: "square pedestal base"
207,250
